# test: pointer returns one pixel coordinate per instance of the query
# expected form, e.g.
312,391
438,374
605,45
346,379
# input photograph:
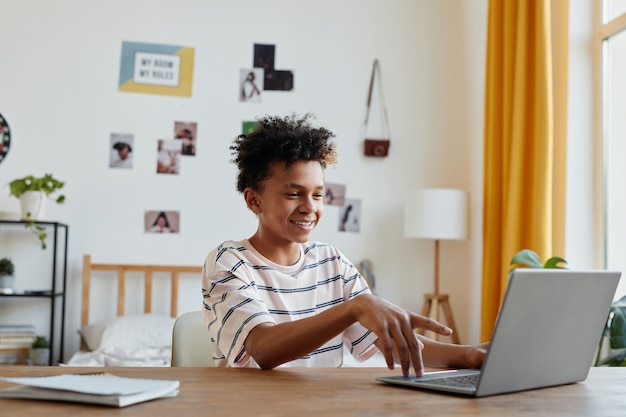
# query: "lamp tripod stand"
434,301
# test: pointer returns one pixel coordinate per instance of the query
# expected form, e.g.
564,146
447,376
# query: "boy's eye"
316,196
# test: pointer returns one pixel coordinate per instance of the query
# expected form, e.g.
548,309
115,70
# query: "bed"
145,338
134,339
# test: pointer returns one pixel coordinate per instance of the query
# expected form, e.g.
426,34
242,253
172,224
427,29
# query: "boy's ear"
251,200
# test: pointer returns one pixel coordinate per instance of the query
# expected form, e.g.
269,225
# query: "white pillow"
132,331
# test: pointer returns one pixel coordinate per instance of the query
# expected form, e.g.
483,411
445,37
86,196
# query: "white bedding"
109,356
162,357
133,340
146,340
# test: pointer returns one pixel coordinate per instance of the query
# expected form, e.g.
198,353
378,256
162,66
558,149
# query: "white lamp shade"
436,213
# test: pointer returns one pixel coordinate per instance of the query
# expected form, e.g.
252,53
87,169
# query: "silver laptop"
548,328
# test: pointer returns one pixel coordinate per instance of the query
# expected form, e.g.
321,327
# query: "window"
612,41
613,9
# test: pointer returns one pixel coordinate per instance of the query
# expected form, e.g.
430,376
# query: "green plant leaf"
6,266
554,263
527,257
619,304
616,359
618,325
615,332
47,184
39,231
40,342
607,329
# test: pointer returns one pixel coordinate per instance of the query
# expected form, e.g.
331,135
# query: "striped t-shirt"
241,288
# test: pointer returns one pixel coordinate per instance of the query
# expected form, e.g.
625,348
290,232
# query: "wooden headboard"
122,269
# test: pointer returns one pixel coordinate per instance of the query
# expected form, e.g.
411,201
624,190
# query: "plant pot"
7,284
33,205
39,356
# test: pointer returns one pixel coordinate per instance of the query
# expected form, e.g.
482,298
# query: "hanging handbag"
376,147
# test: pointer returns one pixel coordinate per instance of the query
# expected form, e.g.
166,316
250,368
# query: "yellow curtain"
525,138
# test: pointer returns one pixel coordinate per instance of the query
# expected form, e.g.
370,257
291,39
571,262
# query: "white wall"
59,93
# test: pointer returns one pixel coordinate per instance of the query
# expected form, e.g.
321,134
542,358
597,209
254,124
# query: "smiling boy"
278,299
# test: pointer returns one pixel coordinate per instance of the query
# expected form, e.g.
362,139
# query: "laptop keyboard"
456,381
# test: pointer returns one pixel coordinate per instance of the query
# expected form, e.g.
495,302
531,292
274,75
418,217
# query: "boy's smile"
289,204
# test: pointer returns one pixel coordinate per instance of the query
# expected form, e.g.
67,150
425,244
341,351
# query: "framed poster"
156,69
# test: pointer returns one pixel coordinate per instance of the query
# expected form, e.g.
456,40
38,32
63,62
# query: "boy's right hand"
395,328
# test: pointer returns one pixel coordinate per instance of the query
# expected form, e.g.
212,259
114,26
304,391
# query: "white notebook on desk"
97,388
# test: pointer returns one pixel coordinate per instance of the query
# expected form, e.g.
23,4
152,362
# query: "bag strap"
376,72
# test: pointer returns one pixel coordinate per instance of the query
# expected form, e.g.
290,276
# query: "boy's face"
289,203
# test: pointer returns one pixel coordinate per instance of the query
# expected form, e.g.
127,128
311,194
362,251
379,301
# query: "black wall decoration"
5,138
276,80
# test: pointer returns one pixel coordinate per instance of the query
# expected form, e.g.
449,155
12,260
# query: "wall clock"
5,138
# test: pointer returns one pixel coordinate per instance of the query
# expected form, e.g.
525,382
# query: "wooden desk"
326,392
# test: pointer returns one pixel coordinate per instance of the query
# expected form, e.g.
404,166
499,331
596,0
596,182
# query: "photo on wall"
161,221
334,194
186,132
248,126
250,84
350,216
121,151
168,156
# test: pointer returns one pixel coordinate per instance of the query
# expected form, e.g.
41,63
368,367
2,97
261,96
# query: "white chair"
191,345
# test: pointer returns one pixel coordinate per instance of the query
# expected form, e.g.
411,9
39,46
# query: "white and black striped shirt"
241,289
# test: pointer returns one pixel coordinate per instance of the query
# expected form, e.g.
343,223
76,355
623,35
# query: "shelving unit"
55,293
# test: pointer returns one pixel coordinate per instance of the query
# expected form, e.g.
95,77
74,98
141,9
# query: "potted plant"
615,333
33,193
7,279
40,351
532,260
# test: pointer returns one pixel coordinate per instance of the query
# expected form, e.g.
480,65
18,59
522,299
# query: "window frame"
604,30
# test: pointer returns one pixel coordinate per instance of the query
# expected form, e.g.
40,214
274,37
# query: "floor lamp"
437,214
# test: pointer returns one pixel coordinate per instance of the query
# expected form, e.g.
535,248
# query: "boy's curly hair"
276,139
